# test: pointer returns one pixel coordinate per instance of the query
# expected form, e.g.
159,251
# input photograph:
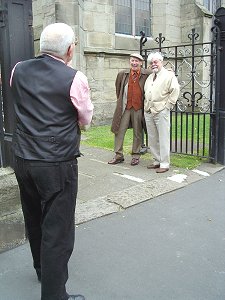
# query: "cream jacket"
161,93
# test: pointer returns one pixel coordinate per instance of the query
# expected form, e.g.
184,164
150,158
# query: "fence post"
220,87
16,44
2,148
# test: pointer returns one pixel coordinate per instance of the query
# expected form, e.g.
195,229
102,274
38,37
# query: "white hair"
56,38
155,55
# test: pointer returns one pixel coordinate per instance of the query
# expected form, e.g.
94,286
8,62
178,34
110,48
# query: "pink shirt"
79,95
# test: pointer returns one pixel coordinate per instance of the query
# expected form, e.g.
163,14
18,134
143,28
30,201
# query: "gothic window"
133,16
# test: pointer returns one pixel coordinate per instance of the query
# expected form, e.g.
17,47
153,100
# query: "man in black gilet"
52,101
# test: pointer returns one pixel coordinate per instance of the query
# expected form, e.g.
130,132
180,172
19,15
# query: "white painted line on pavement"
86,175
106,163
178,178
201,172
100,161
129,177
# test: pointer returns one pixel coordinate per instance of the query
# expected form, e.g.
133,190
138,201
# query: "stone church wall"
101,53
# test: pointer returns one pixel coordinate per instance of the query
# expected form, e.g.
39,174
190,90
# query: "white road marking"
100,161
201,172
178,178
129,177
86,175
106,163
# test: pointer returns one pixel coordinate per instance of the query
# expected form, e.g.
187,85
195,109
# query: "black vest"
46,126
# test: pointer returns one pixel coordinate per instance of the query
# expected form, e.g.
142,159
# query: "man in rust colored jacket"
129,109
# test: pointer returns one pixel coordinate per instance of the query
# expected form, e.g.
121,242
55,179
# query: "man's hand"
84,127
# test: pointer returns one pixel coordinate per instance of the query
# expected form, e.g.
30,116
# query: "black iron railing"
194,64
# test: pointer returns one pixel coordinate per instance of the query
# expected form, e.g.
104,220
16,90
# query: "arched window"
133,16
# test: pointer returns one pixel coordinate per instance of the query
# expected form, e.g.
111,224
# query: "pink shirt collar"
57,58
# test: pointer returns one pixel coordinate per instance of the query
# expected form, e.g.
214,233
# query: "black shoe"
76,297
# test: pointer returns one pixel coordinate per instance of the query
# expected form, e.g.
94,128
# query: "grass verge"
102,137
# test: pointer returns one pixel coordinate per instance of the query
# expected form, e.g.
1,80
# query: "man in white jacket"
161,93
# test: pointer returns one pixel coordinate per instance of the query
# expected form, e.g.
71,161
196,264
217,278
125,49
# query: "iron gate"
194,119
16,43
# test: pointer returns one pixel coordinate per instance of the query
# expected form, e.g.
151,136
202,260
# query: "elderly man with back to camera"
51,101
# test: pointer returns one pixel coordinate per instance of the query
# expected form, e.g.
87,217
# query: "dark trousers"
135,117
48,196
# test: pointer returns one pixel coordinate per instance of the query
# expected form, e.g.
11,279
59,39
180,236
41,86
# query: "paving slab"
170,247
103,189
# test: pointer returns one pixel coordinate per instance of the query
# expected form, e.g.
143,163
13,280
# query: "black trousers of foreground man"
48,181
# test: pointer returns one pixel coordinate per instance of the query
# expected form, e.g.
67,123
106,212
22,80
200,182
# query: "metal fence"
193,117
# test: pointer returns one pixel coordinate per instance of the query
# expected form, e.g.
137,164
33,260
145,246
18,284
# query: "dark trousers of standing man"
48,193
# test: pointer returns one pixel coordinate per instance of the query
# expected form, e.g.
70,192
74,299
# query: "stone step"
9,192
12,232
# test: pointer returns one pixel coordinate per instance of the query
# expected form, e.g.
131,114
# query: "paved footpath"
106,189
169,246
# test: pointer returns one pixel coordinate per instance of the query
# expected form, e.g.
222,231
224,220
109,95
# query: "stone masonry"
101,53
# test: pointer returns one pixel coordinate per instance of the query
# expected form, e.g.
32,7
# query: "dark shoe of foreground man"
76,297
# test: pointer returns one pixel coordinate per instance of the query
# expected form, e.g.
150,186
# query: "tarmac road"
170,247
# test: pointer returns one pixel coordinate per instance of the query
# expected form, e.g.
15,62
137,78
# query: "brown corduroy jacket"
121,82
